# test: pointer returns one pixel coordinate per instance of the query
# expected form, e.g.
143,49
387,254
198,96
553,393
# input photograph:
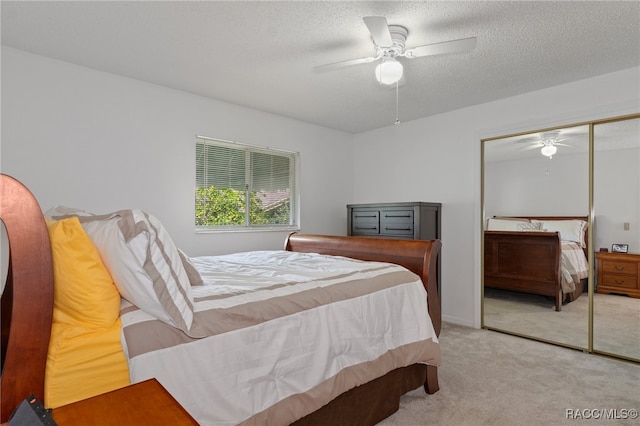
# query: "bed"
357,392
544,255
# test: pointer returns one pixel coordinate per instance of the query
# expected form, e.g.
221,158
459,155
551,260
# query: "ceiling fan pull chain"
397,122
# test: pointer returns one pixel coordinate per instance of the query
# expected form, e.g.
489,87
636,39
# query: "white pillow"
144,264
192,272
56,212
494,224
570,229
530,226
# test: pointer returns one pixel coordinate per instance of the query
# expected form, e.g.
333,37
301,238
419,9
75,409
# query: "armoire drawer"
396,222
365,222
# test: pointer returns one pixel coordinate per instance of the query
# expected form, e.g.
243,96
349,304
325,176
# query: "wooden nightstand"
619,273
144,403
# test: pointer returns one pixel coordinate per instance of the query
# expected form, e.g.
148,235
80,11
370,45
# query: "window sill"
247,229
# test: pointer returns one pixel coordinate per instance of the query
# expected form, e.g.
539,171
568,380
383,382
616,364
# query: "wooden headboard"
585,218
27,299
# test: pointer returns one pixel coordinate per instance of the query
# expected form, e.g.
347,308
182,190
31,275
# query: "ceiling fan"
389,45
548,142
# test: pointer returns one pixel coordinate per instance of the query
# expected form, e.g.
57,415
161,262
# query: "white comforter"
288,332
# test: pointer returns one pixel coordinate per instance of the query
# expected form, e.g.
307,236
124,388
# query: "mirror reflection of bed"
543,255
534,266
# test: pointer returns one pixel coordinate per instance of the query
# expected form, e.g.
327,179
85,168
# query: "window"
244,187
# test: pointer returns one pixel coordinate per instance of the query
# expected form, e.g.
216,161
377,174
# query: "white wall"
616,196
438,159
538,186
82,138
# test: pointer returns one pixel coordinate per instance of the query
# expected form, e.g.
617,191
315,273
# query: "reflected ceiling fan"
389,46
548,142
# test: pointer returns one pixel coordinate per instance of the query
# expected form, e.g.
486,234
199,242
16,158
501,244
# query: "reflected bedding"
573,266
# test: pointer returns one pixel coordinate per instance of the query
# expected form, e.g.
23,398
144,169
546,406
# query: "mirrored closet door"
616,207
536,184
561,235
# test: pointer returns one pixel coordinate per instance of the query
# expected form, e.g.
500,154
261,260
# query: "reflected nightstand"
618,273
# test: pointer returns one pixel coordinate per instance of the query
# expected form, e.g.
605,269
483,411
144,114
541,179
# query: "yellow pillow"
83,362
84,293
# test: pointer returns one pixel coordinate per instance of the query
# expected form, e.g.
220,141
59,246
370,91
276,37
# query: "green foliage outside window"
226,207
217,207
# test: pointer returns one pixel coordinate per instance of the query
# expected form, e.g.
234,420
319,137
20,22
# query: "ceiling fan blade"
379,30
563,144
342,64
453,46
572,137
530,139
527,148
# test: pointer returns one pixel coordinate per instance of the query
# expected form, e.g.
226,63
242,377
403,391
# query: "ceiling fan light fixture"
549,150
389,71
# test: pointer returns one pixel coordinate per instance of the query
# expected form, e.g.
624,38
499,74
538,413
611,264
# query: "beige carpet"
491,378
616,320
616,325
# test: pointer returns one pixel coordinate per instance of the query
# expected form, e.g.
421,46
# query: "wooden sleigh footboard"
527,262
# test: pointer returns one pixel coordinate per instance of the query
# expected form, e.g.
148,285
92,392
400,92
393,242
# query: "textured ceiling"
261,54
